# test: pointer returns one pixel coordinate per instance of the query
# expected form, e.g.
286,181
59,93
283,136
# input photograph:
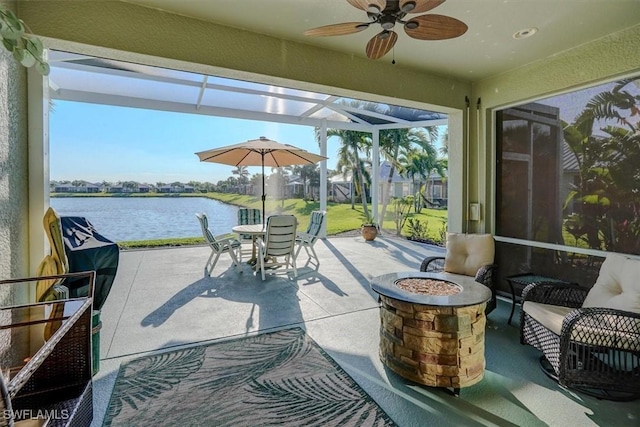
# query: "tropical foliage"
409,151
605,200
354,144
395,143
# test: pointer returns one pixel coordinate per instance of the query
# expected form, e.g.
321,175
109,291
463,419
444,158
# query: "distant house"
144,188
437,191
115,189
164,189
92,188
64,188
294,187
188,189
401,185
340,188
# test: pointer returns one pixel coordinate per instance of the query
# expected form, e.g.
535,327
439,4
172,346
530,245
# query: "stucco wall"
13,168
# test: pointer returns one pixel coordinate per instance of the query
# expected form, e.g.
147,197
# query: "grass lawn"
340,216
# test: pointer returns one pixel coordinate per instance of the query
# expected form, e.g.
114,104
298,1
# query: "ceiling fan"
388,13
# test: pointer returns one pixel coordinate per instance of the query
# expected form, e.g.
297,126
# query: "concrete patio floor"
161,300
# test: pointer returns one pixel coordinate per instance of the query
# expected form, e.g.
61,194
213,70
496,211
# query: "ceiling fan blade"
435,27
380,44
338,29
419,6
369,5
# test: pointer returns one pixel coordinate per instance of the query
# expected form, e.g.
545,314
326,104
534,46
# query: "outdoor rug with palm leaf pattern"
280,378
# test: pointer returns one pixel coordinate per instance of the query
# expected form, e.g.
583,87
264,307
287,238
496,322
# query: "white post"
323,176
38,157
375,172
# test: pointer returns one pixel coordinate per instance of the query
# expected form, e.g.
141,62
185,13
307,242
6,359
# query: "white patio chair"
276,250
248,216
224,243
308,238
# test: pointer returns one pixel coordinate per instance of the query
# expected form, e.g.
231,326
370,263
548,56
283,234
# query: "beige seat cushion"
599,332
549,316
466,253
617,286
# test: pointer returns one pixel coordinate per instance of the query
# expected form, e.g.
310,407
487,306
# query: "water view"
145,218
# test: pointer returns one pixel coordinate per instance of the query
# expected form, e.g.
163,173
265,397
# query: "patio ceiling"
82,78
488,48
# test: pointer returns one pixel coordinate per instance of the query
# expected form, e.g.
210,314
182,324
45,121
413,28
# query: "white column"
323,176
375,174
457,203
38,157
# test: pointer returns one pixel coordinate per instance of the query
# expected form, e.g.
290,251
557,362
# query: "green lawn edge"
341,217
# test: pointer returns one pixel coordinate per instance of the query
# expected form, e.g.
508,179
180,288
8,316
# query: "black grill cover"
88,250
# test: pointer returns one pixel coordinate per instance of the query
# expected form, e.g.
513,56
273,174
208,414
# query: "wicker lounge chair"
468,255
590,339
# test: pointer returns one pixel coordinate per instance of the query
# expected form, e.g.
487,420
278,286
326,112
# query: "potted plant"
369,229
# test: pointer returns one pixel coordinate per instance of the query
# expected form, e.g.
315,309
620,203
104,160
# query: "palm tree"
394,142
420,163
310,176
256,183
608,190
243,176
353,142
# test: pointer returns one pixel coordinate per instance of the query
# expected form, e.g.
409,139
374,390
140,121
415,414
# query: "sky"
99,143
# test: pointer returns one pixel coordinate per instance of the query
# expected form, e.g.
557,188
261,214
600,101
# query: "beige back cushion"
466,253
617,286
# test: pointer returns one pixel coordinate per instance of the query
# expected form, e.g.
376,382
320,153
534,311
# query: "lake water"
145,218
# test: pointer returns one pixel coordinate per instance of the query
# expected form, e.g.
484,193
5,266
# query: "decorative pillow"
618,284
466,253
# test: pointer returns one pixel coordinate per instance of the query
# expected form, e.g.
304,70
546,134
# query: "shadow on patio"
161,300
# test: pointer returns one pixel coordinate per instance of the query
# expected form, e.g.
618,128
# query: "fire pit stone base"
433,345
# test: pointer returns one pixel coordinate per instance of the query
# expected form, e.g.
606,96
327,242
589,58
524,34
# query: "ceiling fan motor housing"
387,22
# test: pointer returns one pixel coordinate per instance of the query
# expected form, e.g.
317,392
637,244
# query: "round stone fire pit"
432,327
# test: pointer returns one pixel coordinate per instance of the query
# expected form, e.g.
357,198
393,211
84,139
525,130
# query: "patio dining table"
254,230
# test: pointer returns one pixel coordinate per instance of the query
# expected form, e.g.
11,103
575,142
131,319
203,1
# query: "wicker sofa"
589,339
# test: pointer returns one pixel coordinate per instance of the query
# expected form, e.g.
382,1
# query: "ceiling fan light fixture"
411,25
373,8
408,7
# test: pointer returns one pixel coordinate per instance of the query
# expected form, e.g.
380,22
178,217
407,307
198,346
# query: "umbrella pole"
263,195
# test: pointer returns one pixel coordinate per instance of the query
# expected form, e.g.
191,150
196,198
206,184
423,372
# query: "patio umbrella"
260,152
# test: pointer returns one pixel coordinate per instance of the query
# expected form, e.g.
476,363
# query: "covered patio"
160,295
161,301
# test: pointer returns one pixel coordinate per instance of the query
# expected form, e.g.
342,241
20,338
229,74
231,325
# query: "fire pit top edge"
472,293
